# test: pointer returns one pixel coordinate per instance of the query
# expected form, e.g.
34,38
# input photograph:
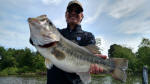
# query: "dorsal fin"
93,48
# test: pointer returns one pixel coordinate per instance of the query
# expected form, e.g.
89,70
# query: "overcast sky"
123,22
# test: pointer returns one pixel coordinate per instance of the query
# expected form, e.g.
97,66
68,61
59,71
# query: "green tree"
20,61
98,44
38,62
145,42
2,53
143,53
8,60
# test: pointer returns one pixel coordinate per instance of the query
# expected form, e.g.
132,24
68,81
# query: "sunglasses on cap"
75,8
76,11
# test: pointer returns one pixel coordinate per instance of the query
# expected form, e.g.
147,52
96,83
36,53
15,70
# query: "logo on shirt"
78,38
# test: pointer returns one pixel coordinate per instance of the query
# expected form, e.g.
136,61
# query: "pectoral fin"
58,54
85,77
48,63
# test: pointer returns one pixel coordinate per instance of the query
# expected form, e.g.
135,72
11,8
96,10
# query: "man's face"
73,16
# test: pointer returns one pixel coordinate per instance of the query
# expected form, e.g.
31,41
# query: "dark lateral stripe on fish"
79,56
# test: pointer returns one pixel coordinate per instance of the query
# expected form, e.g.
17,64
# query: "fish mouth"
49,44
33,21
45,45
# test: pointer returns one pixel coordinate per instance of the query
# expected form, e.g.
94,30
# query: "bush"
24,69
9,71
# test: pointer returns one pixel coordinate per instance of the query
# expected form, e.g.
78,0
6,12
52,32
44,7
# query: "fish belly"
71,65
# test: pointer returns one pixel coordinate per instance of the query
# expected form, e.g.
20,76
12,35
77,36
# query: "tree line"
18,61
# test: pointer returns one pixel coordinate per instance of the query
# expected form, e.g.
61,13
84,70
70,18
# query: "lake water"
42,80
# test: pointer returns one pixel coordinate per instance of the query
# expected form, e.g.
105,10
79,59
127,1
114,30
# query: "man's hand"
95,68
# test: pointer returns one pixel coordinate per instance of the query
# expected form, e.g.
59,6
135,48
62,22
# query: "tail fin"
121,64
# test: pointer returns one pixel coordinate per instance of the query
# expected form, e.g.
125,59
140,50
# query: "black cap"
75,3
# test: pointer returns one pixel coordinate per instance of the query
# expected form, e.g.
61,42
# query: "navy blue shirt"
80,37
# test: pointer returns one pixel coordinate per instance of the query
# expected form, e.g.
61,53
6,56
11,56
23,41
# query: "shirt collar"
77,28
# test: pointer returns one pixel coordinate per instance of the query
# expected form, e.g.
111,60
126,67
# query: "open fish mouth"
31,20
34,21
49,44
45,45
42,32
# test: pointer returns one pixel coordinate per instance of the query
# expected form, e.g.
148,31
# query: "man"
73,32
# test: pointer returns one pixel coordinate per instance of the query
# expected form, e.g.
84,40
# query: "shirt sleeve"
88,39
91,39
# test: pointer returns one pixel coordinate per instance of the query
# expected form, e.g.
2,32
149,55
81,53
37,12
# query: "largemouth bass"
68,56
